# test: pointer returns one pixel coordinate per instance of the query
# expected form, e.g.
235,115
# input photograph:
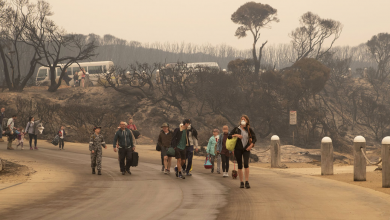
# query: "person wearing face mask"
246,140
180,143
192,135
212,150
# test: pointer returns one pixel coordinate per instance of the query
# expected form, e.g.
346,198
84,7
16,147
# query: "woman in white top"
32,130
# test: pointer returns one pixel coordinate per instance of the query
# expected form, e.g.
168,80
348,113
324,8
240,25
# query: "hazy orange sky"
208,21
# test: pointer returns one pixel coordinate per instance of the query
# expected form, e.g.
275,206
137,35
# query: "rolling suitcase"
134,161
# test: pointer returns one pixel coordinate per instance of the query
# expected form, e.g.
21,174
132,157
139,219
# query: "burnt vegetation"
337,91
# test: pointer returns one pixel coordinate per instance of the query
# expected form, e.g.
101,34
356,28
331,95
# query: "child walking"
212,150
20,138
225,153
95,146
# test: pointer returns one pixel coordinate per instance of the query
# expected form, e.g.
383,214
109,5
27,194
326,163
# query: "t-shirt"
245,137
132,127
183,140
62,134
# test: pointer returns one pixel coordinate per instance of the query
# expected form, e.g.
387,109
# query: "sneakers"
247,185
128,171
169,171
10,148
188,174
123,172
35,148
31,148
166,171
242,185
181,176
175,168
225,174
177,173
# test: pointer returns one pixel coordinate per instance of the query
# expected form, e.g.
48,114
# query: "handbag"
158,147
231,143
207,163
171,152
55,140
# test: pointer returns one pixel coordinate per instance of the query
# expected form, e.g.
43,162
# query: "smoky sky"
208,21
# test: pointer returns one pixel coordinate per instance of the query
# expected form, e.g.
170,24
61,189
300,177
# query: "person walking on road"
212,151
95,146
125,147
2,117
61,134
164,141
10,128
32,130
179,143
192,134
246,140
221,149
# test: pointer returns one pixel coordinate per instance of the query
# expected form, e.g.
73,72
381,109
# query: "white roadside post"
326,156
386,162
359,163
275,152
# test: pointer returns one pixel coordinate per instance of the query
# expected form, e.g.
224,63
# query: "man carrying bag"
126,147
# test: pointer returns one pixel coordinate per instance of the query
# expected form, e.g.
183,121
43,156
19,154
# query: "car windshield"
42,73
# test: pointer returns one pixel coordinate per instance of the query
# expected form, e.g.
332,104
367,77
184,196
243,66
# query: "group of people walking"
183,141
124,144
13,132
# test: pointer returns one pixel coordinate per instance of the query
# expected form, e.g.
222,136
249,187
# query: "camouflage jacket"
96,141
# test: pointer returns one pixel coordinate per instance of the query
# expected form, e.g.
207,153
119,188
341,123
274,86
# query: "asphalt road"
64,188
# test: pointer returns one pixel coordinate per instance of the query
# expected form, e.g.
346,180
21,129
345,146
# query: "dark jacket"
2,116
239,146
177,137
125,138
164,140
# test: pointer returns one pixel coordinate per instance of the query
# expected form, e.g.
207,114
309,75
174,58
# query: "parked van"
95,70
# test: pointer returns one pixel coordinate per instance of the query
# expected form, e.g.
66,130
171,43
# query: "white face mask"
243,122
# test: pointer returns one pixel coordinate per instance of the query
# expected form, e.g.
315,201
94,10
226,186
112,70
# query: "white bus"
211,65
95,70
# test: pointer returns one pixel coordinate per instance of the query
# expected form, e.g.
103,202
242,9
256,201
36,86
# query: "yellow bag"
231,143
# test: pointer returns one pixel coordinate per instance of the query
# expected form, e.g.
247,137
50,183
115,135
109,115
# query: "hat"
165,125
186,121
96,127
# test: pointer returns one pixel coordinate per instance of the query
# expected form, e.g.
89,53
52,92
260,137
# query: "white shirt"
10,123
62,134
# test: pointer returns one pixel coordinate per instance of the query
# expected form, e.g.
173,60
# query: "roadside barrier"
386,162
359,164
326,156
275,152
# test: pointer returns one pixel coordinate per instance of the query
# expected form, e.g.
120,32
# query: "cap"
165,125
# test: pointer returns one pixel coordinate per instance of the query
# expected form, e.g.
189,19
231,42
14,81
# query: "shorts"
180,154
